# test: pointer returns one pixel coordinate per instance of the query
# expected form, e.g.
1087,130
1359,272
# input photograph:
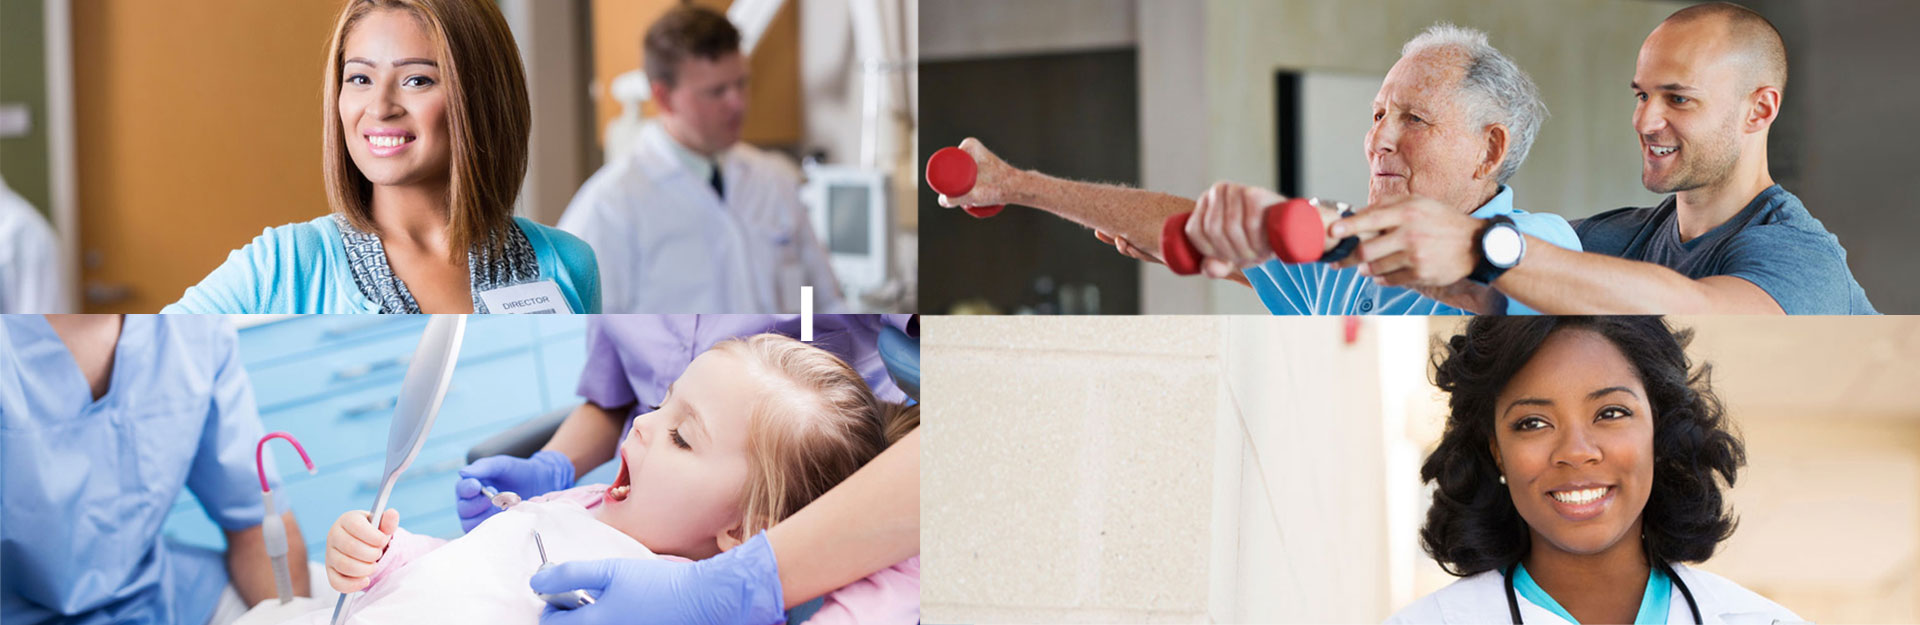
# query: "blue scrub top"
87,483
1654,602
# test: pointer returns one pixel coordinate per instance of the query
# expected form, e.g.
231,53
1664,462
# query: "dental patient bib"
482,577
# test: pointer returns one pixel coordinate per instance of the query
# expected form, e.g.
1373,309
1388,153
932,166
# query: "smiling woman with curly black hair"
1583,460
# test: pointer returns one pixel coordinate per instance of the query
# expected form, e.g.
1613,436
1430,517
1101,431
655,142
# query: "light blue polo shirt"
302,268
1319,289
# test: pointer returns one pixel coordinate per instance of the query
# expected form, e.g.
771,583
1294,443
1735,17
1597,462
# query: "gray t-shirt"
1773,243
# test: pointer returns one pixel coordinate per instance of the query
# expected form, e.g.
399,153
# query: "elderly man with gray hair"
1451,124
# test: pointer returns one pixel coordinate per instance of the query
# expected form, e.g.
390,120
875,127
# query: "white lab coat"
666,243
31,276
1482,598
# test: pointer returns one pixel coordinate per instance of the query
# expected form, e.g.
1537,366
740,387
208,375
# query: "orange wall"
198,124
773,109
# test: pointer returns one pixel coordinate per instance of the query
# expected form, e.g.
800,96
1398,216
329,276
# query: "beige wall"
1070,481
1153,469
1304,431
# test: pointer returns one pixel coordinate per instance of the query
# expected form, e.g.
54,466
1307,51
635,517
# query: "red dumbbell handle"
951,172
1293,228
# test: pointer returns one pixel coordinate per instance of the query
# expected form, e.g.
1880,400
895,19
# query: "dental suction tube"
274,530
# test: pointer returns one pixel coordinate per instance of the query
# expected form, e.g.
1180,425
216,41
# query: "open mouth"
1580,497
388,144
1585,502
622,482
1660,151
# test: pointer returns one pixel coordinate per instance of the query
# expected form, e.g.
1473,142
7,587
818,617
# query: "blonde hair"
809,436
488,118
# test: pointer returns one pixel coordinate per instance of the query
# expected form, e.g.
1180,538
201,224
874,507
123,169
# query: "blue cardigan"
301,268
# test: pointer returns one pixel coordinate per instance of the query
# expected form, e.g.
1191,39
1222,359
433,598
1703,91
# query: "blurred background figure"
32,276
1173,96
151,178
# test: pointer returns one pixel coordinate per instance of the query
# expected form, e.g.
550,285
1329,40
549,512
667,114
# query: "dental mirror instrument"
273,529
428,375
564,600
503,501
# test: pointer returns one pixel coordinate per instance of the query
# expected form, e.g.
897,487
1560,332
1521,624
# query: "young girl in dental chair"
750,433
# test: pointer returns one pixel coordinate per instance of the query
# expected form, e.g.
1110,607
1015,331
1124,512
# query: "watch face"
1502,245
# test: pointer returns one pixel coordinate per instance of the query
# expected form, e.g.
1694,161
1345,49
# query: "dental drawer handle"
433,470
366,368
350,330
381,406
371,408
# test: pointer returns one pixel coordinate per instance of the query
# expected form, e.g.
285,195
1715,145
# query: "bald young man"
1708,85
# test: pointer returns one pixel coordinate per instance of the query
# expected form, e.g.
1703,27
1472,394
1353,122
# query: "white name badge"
532,298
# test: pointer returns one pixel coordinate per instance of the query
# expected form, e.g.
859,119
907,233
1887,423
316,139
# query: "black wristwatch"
1500,247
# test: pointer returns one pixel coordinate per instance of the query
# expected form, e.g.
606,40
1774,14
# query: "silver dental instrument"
503,501
429,374
568,600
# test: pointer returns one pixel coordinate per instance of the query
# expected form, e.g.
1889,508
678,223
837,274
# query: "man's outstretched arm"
1556,281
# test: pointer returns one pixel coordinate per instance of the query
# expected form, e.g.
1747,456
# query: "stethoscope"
1513,602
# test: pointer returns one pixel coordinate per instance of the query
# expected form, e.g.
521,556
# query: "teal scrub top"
302,268
1654,602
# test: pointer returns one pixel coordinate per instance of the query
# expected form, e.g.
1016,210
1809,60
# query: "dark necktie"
718,188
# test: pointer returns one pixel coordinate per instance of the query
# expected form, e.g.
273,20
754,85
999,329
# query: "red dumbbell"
950,171
1293,230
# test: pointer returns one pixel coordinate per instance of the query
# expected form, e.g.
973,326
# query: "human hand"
738,587
354,545
544,472
994,182
1412,241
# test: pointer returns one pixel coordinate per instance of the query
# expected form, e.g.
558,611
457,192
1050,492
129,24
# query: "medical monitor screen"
848,218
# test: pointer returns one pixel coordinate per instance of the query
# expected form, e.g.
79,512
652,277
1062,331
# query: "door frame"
63,190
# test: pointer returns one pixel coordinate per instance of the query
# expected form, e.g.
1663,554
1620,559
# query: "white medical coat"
31,280
666,243
1482,598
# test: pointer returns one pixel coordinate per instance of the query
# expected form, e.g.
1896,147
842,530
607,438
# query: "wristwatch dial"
1502,246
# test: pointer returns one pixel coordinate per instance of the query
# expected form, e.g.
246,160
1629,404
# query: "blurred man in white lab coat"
31,276
692,220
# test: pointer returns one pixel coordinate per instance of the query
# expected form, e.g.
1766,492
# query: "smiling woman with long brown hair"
426,129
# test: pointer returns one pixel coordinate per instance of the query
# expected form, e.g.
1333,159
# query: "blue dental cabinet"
331,381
